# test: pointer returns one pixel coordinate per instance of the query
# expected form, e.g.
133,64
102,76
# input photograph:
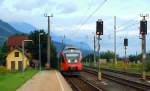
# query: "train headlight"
69,61
75,61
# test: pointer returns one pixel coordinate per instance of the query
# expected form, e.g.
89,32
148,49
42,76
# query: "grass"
12,80
134,68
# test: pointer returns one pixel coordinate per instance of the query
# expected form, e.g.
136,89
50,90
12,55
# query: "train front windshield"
72,57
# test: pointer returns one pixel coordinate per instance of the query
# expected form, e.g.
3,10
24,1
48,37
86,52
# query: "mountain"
68,41
59,47
23,27
27,28
58,44
6,30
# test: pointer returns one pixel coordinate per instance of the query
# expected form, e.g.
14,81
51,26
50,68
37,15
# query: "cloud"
67,7
28,4
87,27
69,14
1,1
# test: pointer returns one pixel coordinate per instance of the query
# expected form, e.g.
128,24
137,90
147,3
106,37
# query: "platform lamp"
23,42
99,32
40,67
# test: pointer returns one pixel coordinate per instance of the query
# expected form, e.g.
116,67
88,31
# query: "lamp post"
23,41
40,50
48,40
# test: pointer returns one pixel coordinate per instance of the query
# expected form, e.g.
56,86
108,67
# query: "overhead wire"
127,22
91,14
124,28
86,11
127,26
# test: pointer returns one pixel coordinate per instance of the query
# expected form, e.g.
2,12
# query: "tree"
134,58
3,53
103,55
107,55
34,47
88,57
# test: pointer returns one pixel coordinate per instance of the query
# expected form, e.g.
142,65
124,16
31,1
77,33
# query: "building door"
20,65
12,65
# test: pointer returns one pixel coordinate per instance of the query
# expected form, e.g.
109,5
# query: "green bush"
3,70
131,65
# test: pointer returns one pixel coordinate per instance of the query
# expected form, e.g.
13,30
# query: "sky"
70,18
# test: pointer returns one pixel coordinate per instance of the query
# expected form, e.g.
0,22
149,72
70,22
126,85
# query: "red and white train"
70,60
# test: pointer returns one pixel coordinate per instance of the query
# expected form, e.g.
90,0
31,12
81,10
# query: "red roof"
16,40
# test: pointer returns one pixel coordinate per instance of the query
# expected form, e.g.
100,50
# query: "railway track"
120,80
125,73
121,72
81,84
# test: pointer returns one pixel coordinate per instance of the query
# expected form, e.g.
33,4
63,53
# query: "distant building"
15,56
14,60
15,41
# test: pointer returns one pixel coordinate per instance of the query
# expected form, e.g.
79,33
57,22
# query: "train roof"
71,49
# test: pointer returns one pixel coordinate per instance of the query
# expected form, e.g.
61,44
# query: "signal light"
125,42
99,27
143,27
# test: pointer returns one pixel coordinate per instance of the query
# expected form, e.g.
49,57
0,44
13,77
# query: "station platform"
46,81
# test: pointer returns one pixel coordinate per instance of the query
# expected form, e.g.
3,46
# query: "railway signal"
125,48
143,32
125,42
143,27
99,32
99,27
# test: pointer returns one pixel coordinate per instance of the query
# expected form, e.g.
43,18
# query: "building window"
16,54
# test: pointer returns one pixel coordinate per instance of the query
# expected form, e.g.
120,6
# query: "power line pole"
94,51
63,40
48,40
115,59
